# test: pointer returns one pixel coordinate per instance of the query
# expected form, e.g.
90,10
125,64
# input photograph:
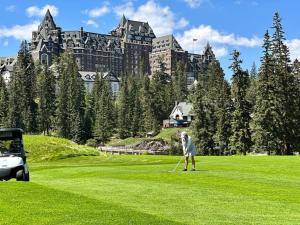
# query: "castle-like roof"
167,42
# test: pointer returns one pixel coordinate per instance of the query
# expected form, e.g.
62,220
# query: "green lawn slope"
41,148
165,134
128,189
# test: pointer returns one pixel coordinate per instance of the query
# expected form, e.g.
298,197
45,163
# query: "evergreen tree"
77,104
104,114
63,119
148,122
180,82
200,125
123,110
223,114
70,100
212,101
285,105
89,115
251,92
296,73
47,97
22,105
264,119
240,141
135,109
3,103
161,94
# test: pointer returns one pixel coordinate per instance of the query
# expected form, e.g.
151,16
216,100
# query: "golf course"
72,184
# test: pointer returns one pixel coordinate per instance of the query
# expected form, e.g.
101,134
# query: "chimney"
81,31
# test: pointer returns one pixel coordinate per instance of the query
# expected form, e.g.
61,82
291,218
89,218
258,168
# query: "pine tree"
22,105
212,101
135,108
180,83
161,94
123,110
285,104
47,97
296,73
63,119
70,100
77,104
251,92
264,118
89,115
200,124
240,141
223,114
3,103
148,122
104,114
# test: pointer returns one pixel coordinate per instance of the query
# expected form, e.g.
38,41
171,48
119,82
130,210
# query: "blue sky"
226,24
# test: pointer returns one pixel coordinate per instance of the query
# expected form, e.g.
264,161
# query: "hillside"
43,148
165,134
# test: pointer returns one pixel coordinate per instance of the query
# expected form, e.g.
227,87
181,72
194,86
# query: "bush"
91,142
176,148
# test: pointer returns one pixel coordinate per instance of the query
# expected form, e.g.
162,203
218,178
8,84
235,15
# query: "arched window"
44,59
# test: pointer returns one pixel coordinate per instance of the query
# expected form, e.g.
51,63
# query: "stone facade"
136,38
121,52
167,50
131,48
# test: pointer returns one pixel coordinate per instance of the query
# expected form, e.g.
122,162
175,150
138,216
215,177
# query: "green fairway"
141,190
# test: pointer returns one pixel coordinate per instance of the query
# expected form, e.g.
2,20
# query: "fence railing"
121,150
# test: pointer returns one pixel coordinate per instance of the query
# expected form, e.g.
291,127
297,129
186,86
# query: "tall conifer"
240,141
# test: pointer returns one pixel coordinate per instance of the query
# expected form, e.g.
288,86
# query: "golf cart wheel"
27,177
20,175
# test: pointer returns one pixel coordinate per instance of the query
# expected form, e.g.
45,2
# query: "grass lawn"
107,189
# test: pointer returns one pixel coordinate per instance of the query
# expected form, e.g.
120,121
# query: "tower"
46,41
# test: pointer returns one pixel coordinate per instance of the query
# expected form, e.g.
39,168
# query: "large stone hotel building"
131,48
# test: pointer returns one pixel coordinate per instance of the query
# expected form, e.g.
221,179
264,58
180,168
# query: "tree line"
258,111
54,101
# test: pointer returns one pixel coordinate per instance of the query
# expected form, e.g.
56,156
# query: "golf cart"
13,162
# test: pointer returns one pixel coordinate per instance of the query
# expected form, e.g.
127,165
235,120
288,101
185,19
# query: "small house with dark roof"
181,115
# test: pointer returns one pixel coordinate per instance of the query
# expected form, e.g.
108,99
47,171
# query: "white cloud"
40,12
97,12
182,23
294,46
10,8
5,43
220,51
19,32
194,3
161,18
91,23
218,40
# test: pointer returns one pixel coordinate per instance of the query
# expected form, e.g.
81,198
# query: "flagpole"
194,39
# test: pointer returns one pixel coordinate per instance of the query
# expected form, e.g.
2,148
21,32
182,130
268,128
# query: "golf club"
175,168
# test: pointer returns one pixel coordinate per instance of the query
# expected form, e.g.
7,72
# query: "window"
44,59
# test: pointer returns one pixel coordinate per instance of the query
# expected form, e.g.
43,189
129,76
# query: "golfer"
189,149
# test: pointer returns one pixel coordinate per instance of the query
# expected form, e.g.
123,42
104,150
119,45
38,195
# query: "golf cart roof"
11,130
10,133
